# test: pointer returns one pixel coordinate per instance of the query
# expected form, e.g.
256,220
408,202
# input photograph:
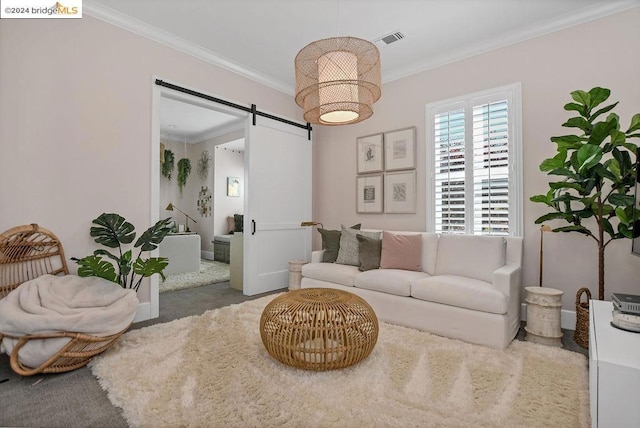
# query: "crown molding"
143,29
579,17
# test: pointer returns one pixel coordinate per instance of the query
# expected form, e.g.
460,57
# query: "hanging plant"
184,169
168,164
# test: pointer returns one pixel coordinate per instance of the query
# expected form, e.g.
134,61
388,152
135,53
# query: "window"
474,164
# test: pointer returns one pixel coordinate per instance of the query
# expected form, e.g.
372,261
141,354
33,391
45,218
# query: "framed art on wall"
369,194
233,186
400,192
400,149
370,154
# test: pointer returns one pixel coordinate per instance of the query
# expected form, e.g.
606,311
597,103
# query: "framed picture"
370,154
369,194
400,149
400,192
233,186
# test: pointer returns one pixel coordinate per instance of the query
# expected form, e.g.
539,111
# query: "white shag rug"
213,370
211,272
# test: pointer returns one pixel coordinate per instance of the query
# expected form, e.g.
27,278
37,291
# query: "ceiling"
259,39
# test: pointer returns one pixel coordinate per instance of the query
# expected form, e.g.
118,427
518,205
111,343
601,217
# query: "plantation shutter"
491,168
474,188
449,174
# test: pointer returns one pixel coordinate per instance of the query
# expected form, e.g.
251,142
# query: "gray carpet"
75,399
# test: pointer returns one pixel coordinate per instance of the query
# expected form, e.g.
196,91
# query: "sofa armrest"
508,280
316,256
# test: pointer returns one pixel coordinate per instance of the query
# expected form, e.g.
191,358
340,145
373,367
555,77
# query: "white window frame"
513,92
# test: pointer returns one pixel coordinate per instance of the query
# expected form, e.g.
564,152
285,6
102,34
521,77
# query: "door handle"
253,227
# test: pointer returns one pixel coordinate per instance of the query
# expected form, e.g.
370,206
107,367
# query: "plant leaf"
95,266
600,131
150,266
553,216
580,229
566,185
578,122
581,97
112,230
580,108
597,96
619,199
588,156
621,213
555,162
603,110
151,237
635,123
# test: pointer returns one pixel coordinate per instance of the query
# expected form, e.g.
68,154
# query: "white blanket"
51,304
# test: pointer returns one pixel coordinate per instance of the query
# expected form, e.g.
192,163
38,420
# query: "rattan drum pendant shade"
337,80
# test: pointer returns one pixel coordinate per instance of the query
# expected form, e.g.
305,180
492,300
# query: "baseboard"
567,318
207,255
143,313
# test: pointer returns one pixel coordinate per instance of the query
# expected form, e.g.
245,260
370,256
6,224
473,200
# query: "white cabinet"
614,370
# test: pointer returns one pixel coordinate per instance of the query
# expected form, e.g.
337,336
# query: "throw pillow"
348,253
401,251
369,252
331,243
238,222
231,224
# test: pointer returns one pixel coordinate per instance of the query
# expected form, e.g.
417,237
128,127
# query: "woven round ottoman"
319,329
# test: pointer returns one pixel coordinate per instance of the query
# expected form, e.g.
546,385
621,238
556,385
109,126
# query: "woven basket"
581,334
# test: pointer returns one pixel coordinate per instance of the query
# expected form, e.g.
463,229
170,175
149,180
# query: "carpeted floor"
75,399
212,370
211,272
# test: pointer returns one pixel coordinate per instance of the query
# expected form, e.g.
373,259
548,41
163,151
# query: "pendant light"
337,80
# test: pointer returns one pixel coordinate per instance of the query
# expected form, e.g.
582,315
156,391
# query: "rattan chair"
27,252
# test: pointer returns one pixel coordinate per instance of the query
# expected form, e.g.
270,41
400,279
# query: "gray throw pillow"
331,243
348,253
369,252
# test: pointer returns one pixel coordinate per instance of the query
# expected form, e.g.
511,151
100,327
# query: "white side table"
543,315
295,273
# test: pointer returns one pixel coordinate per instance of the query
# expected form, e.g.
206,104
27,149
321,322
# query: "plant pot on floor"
581,334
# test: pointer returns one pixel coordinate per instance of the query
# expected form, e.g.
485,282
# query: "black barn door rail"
253,110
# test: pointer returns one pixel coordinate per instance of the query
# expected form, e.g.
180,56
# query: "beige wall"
599,53
75,121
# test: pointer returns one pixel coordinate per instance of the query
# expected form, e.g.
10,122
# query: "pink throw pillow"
401,251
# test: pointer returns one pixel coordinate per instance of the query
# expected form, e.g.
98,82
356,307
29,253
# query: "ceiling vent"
389,38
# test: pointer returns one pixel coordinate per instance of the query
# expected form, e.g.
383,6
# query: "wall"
599,53
75,121
229,163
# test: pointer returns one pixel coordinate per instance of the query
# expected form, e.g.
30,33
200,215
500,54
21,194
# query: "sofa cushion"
331,243
471,256
348,253
330,272
391,281
460,291
368,252
429,252
401,251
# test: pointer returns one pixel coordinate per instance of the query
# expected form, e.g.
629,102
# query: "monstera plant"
595,173
113,231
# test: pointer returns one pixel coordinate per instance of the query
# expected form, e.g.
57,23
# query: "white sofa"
468,289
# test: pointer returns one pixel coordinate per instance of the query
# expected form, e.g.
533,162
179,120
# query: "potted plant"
596,172
114,231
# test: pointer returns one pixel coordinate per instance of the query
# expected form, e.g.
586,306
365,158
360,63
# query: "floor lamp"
171,207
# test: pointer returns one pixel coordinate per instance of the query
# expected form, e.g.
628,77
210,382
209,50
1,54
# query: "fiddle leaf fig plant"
594,174
113,231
